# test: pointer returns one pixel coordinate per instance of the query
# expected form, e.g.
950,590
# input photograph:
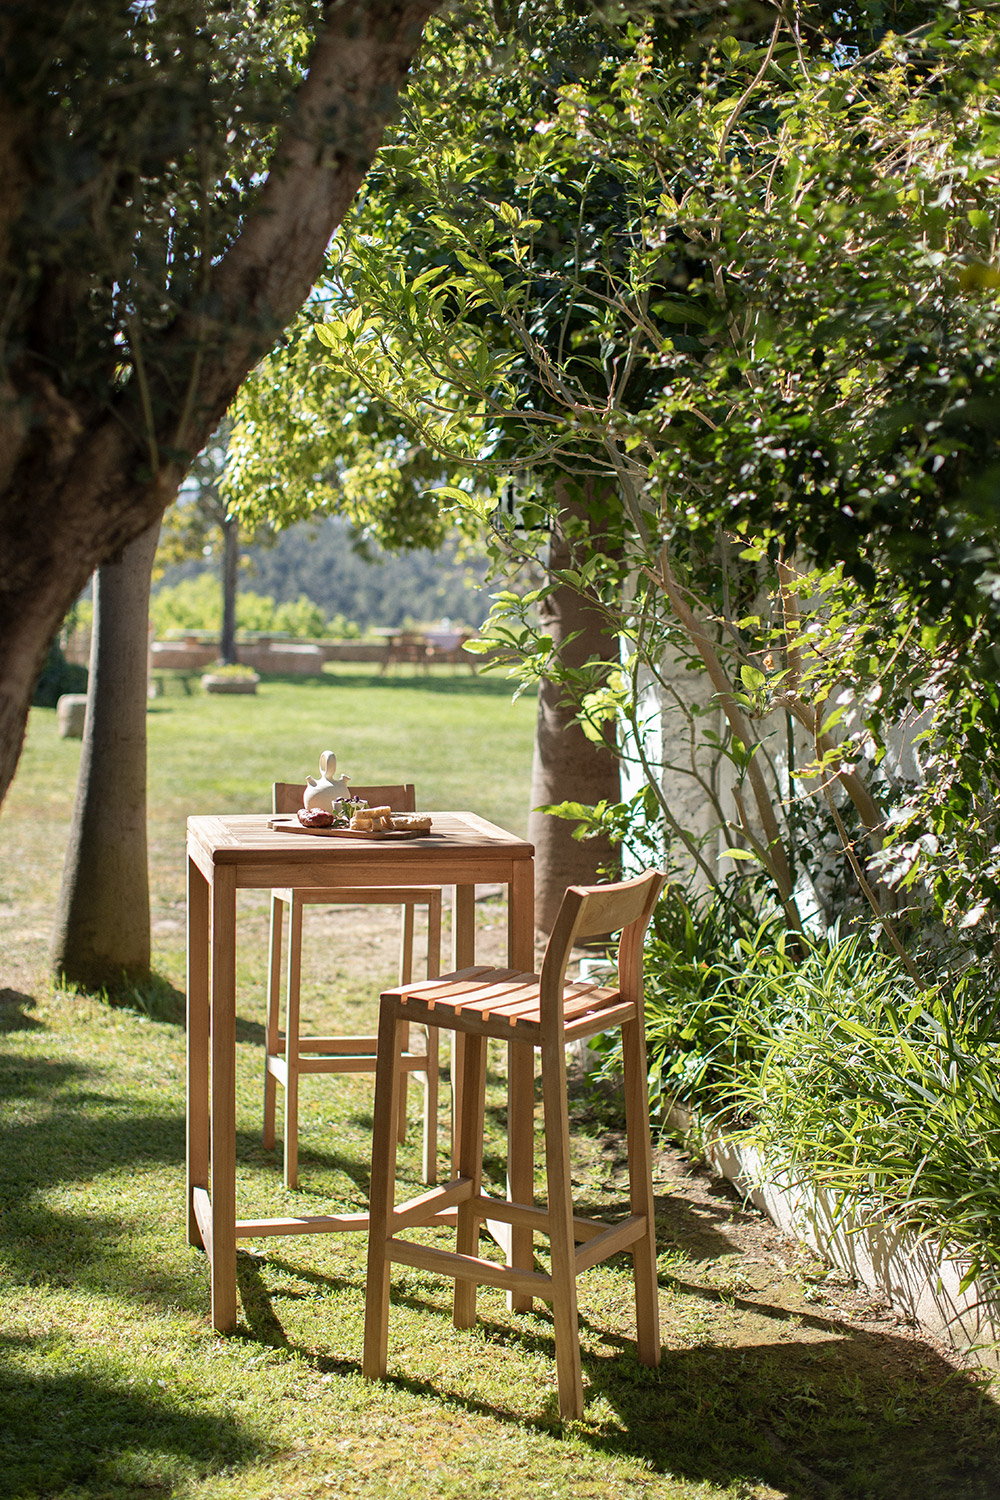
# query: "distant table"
421,648
404,648
227,854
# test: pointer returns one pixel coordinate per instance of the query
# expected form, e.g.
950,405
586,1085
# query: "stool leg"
520,1158
640,1174
292,1044
430,1078
434,935
404,1087
406,943
560,1214
382,1193
469,1163
273,1013
405,975
433,1073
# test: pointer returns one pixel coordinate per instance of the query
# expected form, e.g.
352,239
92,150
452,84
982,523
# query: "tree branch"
358,65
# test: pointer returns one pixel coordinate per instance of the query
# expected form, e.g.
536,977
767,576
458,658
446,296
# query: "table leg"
223,1099
521,1079
197,1044
464,927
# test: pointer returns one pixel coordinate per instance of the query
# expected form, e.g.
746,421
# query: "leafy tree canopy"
753,284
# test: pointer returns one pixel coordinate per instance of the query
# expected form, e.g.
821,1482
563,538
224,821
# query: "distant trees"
200,525
368,585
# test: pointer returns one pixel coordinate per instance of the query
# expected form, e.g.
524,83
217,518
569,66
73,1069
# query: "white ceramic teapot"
330,787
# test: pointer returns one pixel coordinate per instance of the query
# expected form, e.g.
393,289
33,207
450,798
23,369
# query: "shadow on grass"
14,1008
80,1139
852,1416
845,1414
155,999
75,1132
86,1434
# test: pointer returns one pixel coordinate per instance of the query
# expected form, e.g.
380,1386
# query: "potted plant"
232,678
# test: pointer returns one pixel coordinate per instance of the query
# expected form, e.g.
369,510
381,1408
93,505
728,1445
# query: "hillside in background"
374,588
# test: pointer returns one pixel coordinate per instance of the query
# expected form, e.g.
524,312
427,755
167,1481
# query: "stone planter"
71,715
924,1279
216,683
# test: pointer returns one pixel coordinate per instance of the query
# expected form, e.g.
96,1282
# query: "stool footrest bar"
468,1268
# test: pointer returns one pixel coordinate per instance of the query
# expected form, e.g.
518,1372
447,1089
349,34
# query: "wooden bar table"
229,854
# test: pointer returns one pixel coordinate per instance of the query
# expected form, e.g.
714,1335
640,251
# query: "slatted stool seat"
289,1054
547,1012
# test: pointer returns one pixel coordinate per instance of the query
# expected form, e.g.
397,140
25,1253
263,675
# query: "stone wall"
285,658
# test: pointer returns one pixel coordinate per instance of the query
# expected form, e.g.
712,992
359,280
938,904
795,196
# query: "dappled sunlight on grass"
774,1385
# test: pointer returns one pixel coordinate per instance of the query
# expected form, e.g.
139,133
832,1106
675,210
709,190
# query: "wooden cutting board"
290,824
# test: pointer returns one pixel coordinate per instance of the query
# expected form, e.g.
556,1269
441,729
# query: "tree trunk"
569,767
102,929
89,463
230,578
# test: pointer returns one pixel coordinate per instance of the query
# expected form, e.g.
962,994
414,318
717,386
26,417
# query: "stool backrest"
588,910
286,796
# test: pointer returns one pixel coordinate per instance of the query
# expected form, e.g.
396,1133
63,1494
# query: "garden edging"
921,1279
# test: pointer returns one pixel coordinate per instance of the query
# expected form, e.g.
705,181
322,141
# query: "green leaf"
508,213
832,720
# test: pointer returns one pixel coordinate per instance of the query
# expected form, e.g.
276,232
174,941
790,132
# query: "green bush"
885,1093
826,1056
192,604
302,619
195,604
58,676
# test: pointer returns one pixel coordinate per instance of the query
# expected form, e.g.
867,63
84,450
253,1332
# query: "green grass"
459,739
112,1385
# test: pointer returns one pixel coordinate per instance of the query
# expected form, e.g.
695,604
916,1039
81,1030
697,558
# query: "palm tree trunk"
230,578
569,767
102,936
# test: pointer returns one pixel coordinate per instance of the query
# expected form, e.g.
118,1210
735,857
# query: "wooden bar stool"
544,1011
288,1054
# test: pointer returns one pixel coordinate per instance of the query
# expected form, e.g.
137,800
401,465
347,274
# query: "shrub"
195,604
825,1055
58,676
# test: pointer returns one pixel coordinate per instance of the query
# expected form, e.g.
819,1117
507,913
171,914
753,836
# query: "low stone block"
71,715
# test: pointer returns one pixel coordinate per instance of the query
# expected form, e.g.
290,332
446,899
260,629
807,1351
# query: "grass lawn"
776,1381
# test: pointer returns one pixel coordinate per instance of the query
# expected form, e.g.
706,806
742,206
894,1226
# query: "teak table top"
461,841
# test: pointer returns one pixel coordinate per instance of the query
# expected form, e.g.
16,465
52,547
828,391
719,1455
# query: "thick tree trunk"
569,767
102,928
230,579
88,463
74,506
